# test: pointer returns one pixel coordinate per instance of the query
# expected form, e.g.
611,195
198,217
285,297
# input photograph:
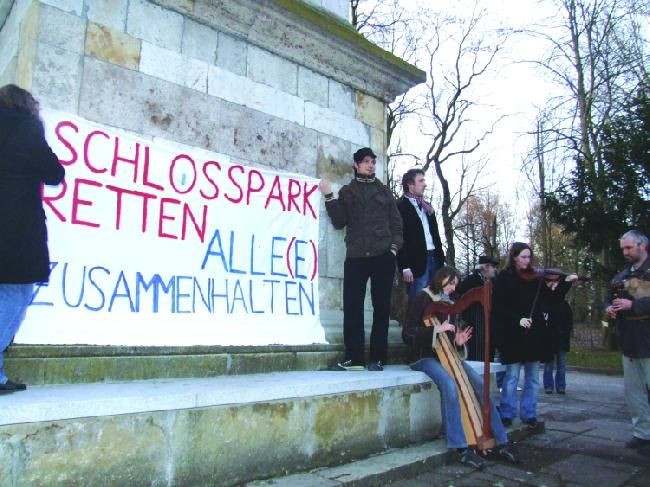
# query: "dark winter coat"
634,324
512,300
413,255
369,213
473,316
559,321
26,161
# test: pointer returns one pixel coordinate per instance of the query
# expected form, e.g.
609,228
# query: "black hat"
363,152
487,259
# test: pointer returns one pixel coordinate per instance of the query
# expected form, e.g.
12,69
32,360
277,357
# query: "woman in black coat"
517,313
26,162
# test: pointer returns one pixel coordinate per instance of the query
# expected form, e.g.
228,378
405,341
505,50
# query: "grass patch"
600,360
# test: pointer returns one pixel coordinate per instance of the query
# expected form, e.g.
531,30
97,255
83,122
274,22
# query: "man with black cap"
422,255
367,209
486,269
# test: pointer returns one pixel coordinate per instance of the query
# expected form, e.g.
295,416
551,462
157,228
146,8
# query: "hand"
325,186
408,276
463,336
446,326
571,278
620,304
611,312
526,322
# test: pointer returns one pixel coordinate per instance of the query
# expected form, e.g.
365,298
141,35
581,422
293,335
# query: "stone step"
218,431
66,364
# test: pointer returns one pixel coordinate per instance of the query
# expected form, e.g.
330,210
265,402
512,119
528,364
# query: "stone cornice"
309,36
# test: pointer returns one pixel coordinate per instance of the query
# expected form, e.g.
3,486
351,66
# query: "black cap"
487,259
363,152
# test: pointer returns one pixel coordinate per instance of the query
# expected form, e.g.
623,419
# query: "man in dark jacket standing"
26,161
422,255
632,314
366,208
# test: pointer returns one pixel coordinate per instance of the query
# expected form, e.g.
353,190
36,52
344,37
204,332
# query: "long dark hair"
516,249
442,277
16,98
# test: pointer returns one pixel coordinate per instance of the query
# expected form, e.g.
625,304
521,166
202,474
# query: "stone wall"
273,83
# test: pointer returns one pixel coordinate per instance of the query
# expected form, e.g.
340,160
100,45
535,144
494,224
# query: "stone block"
335,252
252,363
56,78
396,423
112,46
243,91
172,66
272,70
377,141
111,13
155,24
341,98
253,136
72,6
334,160
26,370
62,30
330,292
232,54
348,425
333,123
315,360
8,74
149,106
312,86
28,29
184,5
371,111
424,413
199,41
229,445
114,450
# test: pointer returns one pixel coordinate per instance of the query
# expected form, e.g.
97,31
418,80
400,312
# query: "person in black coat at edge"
421,255
26,162
559,319
517,315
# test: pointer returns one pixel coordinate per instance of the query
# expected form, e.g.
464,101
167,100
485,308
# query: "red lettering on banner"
171,173
87,145
118,205
200,231
293,195
272,194
77,202
64,141
162,217
305,199
231,177
117,158
49,199
253,189
145,172
210,180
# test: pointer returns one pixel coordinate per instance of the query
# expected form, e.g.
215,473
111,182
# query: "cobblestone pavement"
583,445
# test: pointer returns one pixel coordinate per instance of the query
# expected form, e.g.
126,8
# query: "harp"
475,419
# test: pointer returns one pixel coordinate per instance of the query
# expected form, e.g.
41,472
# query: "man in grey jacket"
367,209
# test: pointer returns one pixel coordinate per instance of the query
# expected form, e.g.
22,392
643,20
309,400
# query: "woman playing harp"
420,334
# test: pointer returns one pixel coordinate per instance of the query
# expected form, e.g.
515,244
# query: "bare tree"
460,52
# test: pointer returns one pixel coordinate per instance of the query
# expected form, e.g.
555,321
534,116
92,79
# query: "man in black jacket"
366,208
422,253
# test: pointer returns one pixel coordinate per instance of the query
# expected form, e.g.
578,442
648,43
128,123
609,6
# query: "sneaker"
533,425
507,422
468,457
11,386
347,365
376,366
636,442
550,391
507,453
561,391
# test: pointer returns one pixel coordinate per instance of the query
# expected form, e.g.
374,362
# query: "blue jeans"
14,299
560,373
419,283
450,406
528,402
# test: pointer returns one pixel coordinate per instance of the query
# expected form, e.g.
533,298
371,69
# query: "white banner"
156,243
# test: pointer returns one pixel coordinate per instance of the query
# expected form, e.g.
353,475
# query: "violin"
537,273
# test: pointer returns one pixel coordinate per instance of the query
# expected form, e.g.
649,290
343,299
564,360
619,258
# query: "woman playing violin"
520,329
419,334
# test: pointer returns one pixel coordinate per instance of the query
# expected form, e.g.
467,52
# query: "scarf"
361,178
421,202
